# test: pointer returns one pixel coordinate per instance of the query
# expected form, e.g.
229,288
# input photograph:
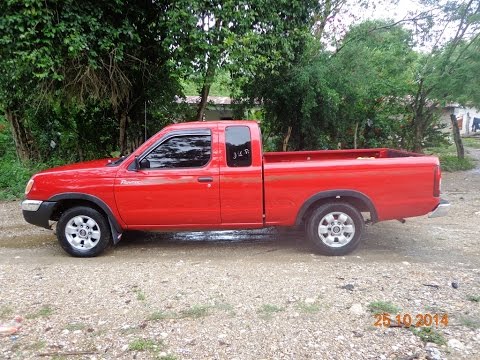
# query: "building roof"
217,100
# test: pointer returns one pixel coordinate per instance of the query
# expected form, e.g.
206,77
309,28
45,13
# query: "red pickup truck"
214,175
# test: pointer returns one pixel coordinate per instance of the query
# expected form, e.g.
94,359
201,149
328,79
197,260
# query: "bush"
452,163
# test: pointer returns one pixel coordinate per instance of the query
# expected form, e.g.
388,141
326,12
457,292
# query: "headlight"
29,186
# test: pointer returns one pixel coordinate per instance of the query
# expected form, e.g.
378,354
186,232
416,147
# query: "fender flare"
115,227
338,194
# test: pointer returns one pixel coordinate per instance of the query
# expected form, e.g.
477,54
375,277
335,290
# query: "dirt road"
247,295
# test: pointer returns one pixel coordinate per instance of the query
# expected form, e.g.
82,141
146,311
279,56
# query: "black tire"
335,237
83,232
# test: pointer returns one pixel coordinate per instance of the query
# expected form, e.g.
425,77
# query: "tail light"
437,181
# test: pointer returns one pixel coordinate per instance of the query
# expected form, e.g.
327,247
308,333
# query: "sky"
396,10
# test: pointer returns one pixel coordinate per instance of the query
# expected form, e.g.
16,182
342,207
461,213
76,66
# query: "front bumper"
38,212
441,209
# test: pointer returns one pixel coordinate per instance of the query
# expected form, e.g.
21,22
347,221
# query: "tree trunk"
456,137
207,83
122,136
24,144
287,138
417,139
355,136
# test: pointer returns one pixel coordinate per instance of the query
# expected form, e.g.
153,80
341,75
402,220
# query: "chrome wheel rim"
336,229
82,232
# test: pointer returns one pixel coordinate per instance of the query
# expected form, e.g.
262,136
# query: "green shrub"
428,334
378,307
452,163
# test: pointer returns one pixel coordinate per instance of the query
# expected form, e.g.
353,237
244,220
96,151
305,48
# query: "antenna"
145,112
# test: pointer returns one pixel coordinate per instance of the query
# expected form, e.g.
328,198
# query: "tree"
239,36
439,72
351,97
79,52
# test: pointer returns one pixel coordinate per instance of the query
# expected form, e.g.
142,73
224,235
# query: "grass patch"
473,298
308,308
162,315
5,312
449,160
380,307
267,311
470,322
44,311
167,357
140,295
75,326
36,346
195,312
144,345
451,163
429,334
472,142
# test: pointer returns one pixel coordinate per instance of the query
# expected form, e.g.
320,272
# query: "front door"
177,184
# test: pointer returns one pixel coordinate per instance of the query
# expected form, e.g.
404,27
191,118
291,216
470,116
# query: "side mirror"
137,164
145,164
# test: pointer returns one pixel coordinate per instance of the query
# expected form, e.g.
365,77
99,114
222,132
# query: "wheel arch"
355,198
68,200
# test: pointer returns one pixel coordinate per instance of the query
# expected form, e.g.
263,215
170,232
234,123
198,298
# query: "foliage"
145,345
266,311
240,37
472,142
378,307
473,298
430,335
82,80
449,161
349,98
195,312
471,321
452,163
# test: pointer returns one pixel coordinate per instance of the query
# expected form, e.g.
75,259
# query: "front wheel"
83,232
335,228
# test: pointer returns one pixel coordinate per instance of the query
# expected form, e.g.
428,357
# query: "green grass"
44,311
308,308
472,142
195,312
473,298
140,295
380,307
36,346
429,334
449,160
266,311
452,163
144,345
162,315
470,322
75,326
5,312
167,357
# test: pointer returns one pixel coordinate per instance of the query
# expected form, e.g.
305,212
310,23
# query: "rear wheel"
335,228
83,232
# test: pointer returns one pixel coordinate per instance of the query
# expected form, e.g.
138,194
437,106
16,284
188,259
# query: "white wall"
465,113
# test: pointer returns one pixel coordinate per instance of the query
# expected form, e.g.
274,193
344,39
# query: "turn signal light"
29,186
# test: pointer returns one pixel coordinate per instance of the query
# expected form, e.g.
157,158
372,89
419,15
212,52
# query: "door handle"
205,179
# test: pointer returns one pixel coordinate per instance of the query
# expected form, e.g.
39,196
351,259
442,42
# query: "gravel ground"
247,294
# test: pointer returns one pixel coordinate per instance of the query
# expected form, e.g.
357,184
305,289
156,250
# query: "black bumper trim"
41,216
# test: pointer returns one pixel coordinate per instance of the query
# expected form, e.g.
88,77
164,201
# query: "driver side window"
187,151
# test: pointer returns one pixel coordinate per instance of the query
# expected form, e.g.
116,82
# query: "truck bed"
399,183
273,157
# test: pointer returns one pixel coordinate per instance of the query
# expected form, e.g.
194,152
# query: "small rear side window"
239,146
